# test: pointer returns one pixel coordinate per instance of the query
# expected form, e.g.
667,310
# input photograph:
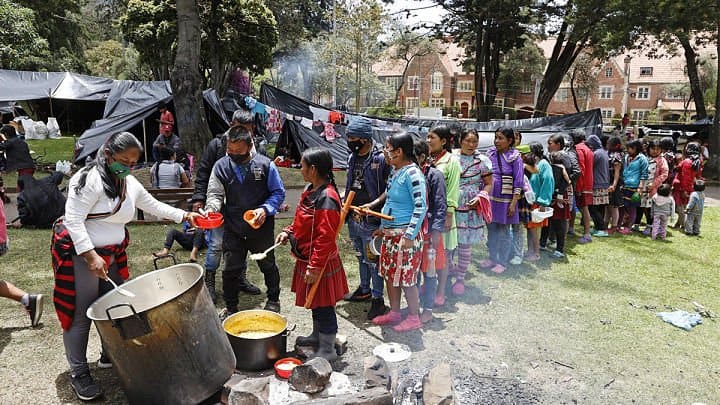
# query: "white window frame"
646,93
607,113
648,73
562,94
437,102
640,115
436,82
602,92
412,82
608,72
415,102
528,87
500,103
393,82
464,86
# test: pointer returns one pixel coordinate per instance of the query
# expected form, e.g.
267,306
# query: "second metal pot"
258,338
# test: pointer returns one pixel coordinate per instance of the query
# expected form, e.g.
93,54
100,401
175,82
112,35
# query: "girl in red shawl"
312,239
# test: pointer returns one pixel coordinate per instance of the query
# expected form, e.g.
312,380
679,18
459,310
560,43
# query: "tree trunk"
572,90
481,53
559,64
187,83
714,164
691,60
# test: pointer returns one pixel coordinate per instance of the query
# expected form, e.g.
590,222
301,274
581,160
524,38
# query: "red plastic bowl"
284,367
211,220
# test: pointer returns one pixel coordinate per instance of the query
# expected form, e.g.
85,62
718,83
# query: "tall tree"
488,30
519,67
599,26
187,84
583,79
405,45
151,25
60,23
21,46
238,33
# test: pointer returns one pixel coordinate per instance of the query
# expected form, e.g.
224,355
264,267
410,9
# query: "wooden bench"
177,197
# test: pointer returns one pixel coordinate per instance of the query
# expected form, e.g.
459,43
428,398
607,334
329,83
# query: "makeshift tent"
74,99
129,107
296,138
10,110
699,128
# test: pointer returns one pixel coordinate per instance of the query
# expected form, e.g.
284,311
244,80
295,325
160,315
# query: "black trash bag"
41,202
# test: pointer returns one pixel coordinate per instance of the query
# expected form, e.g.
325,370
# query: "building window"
437,102
673,95
561,95
437,82
606,92
412,82
643,93
464,86
500,103
608,72
607,114
581,94
393,82
640,115
411,102
528,87
646,71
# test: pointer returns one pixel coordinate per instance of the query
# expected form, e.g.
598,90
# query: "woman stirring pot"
89,245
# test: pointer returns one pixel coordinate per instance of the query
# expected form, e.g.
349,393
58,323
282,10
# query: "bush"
388,111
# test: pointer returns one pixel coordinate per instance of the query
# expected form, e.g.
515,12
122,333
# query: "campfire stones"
312,376
376,373
253,391
372,396
438,386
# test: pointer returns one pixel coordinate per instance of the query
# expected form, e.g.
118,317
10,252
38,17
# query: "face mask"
119,170
355,146
239,158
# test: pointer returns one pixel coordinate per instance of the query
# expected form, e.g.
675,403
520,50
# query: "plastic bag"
29,127
63,166
53,128
41,130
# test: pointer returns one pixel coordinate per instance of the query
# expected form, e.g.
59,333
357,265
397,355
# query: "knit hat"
523,148
360,127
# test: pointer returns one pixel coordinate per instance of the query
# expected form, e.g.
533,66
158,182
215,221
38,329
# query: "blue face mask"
119,170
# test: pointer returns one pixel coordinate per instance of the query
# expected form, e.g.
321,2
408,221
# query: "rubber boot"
311,340
326,347
210,284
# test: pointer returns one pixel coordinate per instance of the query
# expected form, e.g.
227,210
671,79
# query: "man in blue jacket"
241,181
367,176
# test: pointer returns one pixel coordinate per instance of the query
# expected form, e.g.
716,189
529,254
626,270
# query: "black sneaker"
85,387
272,306
377,308
250,289
359,295
104,361
35,308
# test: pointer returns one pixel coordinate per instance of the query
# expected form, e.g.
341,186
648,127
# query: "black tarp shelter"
296,138
132,105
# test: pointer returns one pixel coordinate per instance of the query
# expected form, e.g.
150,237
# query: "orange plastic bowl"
249,217
284,367
211,220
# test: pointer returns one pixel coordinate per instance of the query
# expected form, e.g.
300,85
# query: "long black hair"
508,133
405,142
116,143
443,132
322,160
537,150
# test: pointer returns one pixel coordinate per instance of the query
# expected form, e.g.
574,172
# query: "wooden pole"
343,214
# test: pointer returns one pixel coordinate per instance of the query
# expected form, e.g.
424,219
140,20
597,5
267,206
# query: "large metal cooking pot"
258,338
166,344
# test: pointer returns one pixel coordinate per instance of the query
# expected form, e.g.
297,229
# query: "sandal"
498,269
532,258
412,322
192,260
486,264
157,256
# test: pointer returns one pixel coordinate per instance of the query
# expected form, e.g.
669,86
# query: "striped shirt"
406,200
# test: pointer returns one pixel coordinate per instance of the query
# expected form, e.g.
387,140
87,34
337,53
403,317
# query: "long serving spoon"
120,290
262,255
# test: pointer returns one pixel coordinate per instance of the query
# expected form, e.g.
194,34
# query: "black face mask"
239,158
355,146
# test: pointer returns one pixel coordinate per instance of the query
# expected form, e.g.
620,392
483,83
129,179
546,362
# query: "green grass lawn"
49,151
594,312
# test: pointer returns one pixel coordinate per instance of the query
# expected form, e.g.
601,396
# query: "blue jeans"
500,245
214,251
361,234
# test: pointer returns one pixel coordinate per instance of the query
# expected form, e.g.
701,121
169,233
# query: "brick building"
633,83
